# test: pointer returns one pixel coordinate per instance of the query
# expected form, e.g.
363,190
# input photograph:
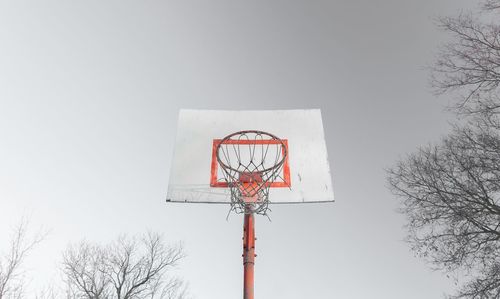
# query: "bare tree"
451,197
470,63
11,271
128,268
451,191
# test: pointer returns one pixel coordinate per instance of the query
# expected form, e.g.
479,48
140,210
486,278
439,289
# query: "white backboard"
310,179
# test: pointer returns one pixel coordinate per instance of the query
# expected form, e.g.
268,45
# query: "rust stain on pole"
248,256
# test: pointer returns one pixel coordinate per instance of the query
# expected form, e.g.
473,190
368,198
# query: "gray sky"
89,95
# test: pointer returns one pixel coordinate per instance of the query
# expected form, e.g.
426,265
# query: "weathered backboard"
195,177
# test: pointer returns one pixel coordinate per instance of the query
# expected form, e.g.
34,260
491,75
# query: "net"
250,162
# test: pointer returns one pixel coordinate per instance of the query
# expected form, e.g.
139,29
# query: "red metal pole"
248,255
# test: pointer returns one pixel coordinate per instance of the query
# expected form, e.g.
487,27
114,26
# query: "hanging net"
250,162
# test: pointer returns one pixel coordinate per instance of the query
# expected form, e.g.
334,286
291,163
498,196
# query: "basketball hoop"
244,166
251,161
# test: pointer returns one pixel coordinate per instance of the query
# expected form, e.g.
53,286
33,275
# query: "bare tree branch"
11,274
469,64
491,5
128,268
451,197
49,293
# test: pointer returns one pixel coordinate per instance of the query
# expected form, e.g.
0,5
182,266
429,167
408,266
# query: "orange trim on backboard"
214,165
213,170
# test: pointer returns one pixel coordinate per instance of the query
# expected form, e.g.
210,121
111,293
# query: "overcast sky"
89,96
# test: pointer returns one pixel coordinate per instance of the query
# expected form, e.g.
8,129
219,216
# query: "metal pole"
248,255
